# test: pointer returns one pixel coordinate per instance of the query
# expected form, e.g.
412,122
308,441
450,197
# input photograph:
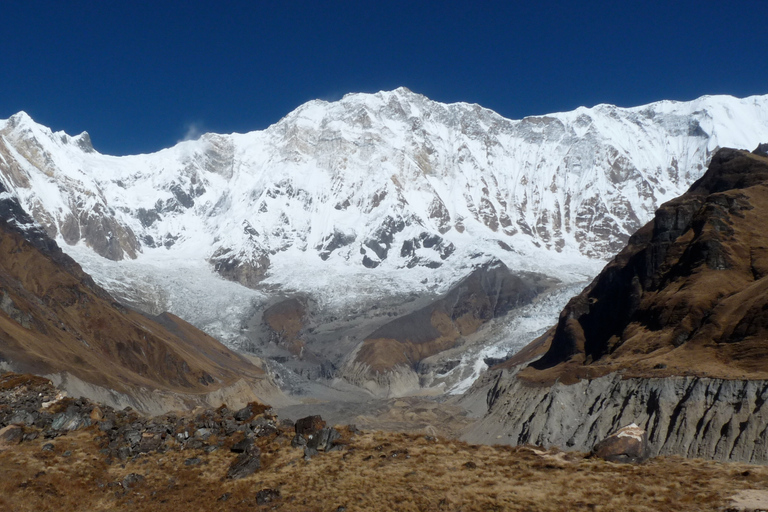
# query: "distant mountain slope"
55,320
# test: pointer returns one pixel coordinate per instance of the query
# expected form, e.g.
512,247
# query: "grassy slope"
376,471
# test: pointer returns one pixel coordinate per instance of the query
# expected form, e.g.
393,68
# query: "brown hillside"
53,318
489,292
687,296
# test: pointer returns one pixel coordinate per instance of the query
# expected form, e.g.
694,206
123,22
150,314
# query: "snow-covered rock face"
372,197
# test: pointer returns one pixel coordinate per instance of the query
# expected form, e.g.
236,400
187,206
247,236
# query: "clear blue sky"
137,75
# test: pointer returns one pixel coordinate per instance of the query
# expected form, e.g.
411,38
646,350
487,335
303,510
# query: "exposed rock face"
285,321
689,416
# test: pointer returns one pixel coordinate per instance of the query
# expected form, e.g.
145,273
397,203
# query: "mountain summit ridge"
365,203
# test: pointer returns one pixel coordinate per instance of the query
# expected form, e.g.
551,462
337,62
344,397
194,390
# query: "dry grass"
376,471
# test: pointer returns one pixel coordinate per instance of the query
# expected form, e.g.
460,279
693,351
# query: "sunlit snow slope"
376,197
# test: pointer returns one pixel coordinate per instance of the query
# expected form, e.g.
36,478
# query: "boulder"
244,414
245,445
628,444
22,418
245,465
309,425
70,420
324,439
10,436
265,496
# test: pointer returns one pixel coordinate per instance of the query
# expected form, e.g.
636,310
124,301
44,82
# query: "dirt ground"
375,471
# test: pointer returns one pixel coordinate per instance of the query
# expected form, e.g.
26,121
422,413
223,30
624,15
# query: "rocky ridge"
689,416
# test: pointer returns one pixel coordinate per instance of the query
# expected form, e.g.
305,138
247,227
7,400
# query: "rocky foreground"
59,453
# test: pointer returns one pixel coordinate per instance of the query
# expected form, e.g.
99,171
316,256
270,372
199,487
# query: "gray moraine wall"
717,419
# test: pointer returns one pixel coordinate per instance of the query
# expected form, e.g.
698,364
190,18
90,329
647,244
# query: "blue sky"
139,76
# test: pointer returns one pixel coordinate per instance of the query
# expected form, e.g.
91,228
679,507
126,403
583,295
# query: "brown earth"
53,318
488,292
687,296
375,471
286,320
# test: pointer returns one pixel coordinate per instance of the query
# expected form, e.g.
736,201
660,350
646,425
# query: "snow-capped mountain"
374,199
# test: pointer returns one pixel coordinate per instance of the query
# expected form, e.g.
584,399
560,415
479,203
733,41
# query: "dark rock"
194,461
628,444
324,439
133,437
492,361
203,433
22,418
11,435
267,496
264,430
48,447
244,414
195,444
298,440
70,420
149,443
309,425
245,465
123,452
245,445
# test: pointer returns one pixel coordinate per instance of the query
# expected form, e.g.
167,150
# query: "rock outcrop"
628,444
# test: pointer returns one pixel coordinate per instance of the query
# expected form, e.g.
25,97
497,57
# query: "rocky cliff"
671,335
